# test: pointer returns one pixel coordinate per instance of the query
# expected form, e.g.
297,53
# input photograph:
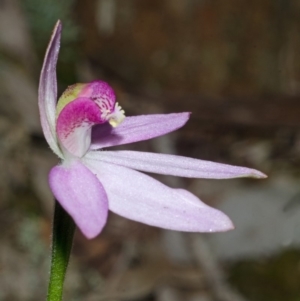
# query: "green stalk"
62,240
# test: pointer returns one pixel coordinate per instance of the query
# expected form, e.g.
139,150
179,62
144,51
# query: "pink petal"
174,165
81,194
137,128
74,125
141,198
48,90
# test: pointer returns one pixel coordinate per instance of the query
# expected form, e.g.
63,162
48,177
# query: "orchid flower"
89,181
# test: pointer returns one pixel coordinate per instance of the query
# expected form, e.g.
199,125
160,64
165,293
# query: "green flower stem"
62,240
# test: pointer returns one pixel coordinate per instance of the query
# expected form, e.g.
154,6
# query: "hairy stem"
62,240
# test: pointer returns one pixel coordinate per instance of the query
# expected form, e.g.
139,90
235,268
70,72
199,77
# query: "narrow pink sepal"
81,194
48,90
74,125
137,128
174,165
141,198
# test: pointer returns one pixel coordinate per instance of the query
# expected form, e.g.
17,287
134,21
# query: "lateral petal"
48,90
81,194
174,165
141,198
137,128
74,125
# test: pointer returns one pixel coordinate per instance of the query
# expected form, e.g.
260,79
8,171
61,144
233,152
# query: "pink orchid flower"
90,181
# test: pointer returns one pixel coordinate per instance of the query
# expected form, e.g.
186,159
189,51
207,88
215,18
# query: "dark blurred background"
235,65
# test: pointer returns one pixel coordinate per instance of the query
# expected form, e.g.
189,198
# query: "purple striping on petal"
100,92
